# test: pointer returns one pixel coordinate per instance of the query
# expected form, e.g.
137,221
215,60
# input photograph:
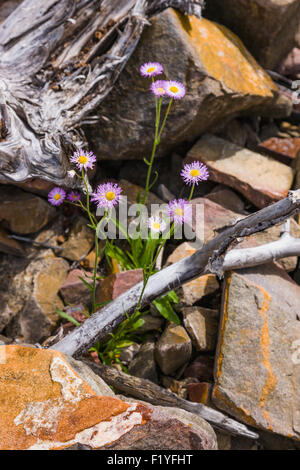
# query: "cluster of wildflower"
180,210
159,88
107,195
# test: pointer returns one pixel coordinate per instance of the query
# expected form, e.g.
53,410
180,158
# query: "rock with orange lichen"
50,401
221,79
257,370
268,27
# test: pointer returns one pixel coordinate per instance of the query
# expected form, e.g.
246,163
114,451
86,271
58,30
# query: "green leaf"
136,325
154,180
114,252
67,317
138,197
172,297
165,309
124,343
87,284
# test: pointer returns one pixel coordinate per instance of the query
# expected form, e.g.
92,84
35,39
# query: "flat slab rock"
257,373
259,178
23,212
49,401
284,150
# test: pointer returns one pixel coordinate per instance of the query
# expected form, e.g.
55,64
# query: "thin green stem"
147,276
95,272
155,144
192,192
165,119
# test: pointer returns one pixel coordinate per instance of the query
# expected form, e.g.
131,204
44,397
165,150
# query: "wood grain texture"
58,60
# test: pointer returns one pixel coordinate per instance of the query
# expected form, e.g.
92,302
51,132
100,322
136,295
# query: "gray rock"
257,367
173,349
202,326
143,364
152,323
127,354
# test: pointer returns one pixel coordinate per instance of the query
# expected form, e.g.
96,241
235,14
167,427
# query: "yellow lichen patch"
225,58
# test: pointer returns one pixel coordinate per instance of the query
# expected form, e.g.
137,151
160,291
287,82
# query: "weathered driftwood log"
58,60
210,258
148,391
284,247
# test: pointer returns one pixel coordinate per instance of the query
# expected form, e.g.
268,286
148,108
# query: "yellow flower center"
151,69
178,211
156,225
110,195
162,91
174,89
82,159
195,172
57,197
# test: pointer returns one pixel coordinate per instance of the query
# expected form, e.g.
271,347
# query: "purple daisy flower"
156,224
74,196
56,196
194,172
83,159
180,211
151,69
158,88
175,89
107,195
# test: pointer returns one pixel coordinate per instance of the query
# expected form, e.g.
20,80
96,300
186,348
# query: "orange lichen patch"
239,411
224,319
44,403
225,58
90,411
265,348
199,392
